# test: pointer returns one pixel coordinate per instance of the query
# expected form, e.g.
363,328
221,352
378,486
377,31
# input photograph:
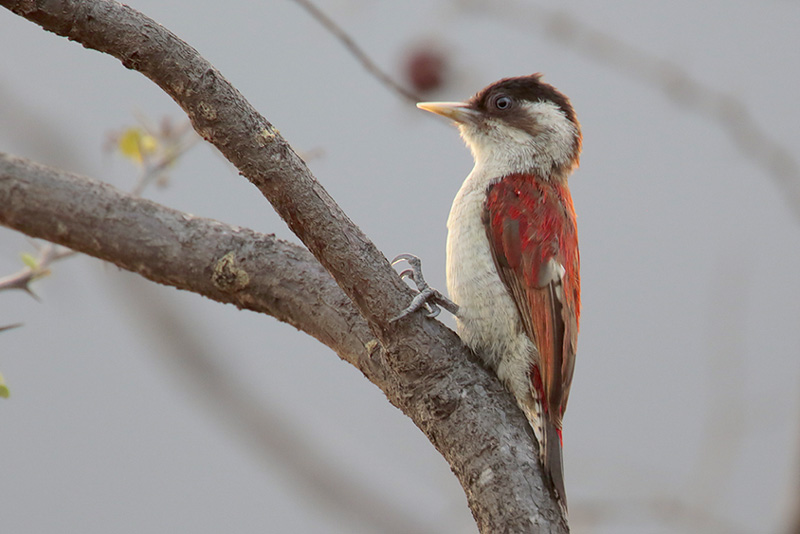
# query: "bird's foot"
429,298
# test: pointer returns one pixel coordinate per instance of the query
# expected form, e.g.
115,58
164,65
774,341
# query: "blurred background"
138,408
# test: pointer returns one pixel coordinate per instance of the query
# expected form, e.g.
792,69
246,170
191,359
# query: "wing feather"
531,229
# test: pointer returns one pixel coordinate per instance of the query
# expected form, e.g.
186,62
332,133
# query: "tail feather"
553,460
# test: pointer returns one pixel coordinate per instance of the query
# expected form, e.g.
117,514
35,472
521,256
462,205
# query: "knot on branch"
207,111
227,276
266,136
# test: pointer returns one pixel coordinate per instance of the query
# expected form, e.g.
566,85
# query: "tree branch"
424,369
224,263
356,51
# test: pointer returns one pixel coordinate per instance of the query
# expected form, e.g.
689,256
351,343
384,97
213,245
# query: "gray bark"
419,364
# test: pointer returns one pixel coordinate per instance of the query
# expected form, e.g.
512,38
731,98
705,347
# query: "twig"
180,143
357,51
177,144
22,279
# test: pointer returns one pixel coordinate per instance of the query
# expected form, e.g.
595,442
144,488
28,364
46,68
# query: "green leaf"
136,144
4,393
29,261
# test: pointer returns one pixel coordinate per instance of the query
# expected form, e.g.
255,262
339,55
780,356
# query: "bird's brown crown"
530,88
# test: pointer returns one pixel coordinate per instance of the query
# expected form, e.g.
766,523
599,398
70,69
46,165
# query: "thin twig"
22,279
183,140
156,168
357,52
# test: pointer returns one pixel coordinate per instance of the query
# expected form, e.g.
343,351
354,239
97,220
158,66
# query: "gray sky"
684,410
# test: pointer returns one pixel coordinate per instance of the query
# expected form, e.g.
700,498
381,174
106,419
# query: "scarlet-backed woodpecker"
512,247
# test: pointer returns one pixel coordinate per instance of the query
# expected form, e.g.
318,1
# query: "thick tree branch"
225,263
425,370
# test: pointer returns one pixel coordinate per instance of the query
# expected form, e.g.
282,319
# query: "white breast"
488,320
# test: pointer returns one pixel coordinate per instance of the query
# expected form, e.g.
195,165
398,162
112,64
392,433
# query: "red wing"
531,229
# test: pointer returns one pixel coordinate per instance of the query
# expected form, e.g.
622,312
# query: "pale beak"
455,111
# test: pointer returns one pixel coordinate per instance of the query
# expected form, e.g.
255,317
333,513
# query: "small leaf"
148,144
3,389
31,262
136,144
128,144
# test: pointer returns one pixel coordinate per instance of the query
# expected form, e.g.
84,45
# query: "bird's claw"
427,297
413,261
408,273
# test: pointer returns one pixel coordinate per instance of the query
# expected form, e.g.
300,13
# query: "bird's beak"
456,111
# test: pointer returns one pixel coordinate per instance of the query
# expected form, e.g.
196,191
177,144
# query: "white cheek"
558,132
501,150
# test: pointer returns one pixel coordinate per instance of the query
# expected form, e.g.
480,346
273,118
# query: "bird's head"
517,125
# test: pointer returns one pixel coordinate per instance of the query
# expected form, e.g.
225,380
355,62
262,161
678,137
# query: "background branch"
356,51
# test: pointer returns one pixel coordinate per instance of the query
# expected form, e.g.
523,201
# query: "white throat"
500,149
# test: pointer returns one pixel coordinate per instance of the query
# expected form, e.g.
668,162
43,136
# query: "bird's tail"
552,459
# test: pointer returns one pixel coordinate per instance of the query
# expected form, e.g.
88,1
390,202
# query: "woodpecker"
512,248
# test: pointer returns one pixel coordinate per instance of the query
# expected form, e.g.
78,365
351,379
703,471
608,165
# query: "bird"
513,266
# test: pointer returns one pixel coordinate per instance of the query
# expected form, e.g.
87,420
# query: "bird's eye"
502,102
